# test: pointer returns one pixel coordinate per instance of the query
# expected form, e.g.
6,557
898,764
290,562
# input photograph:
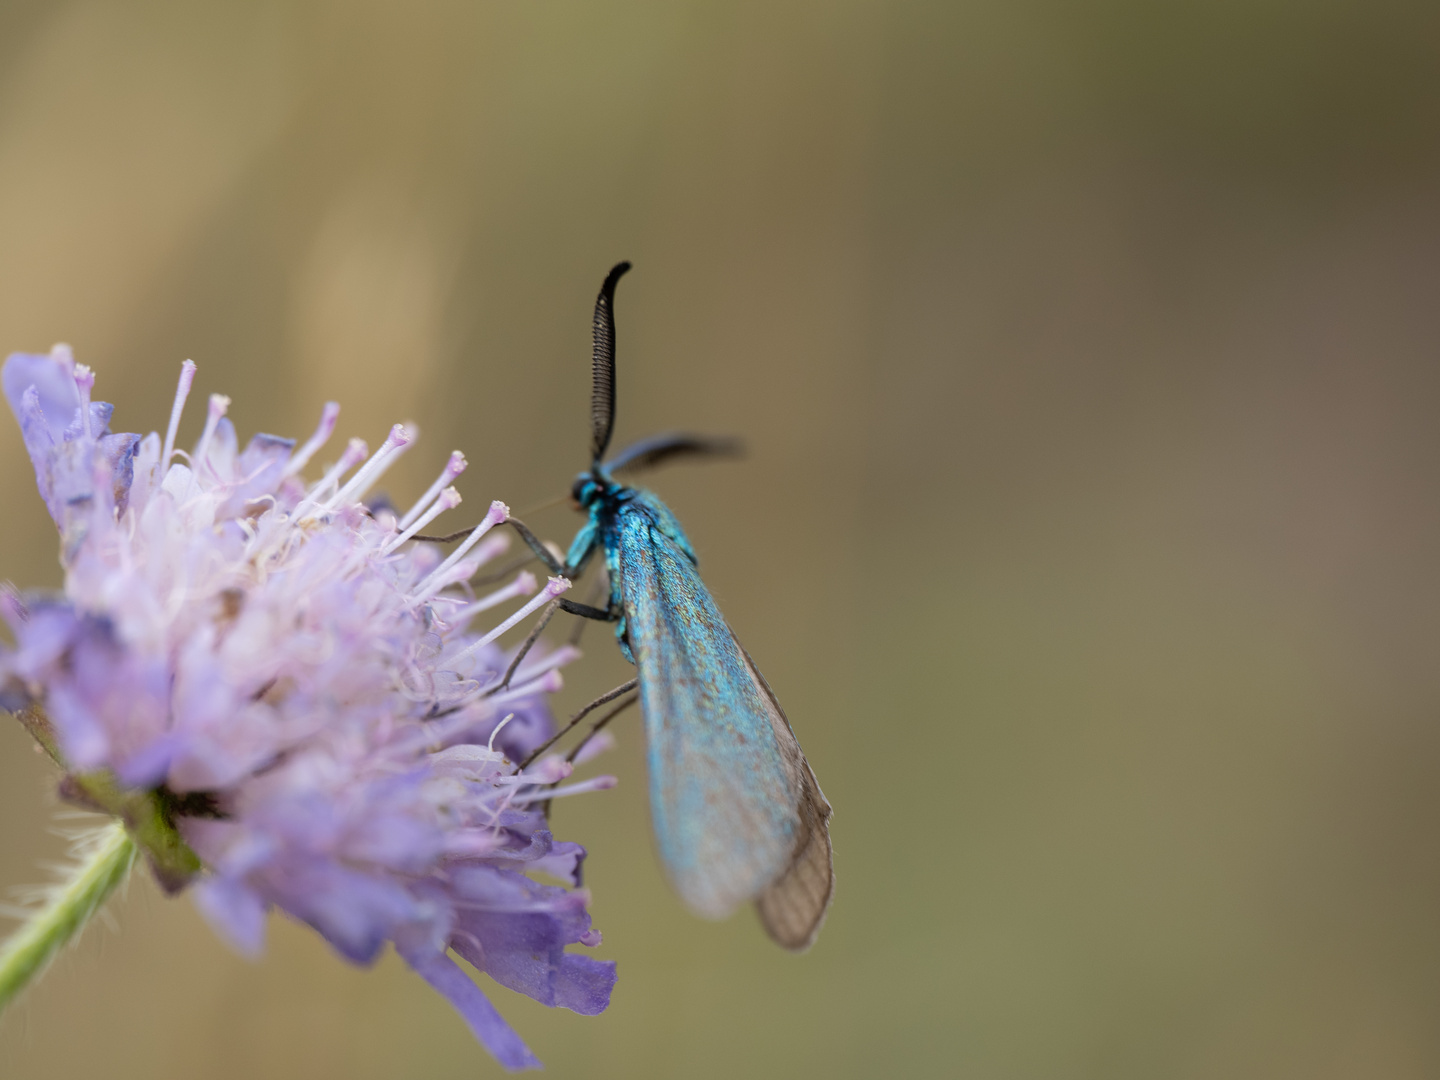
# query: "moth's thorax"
595,493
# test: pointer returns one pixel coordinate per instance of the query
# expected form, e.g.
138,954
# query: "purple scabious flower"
308,691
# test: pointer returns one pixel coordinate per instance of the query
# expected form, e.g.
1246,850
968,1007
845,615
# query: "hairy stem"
104,865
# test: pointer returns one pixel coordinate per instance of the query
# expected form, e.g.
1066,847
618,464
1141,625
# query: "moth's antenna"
602,397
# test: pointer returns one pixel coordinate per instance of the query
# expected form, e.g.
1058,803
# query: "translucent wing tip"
793,908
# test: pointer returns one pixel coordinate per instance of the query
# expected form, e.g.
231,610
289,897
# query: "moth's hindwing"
792,908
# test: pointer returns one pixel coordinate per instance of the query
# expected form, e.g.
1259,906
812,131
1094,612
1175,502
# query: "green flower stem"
149,815
145,823
34,945
144,814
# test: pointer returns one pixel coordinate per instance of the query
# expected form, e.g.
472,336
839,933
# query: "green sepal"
146,814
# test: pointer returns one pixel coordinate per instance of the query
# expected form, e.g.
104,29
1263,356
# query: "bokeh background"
1087,357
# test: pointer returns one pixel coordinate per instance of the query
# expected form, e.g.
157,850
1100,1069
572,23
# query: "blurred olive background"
1087,357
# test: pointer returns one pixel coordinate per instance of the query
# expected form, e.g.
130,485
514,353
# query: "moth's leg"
544,554
448,538
599,725
536,546
494,577
545,616
613,613
585,611
541,552
619,691
592,594
595,729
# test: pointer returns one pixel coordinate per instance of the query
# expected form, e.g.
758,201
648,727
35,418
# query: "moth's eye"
577,493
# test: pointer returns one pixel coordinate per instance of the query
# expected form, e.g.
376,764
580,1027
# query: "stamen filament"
328,416
84,382
550,682
182,391
448,500
355,452
453,468
219,405
553,588
523,585
491,744
559,658
497,513
372,470
597,783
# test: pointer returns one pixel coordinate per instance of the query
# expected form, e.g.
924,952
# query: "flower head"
305,689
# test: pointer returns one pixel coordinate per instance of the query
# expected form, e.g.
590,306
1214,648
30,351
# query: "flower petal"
473,1006
54,382
235,912
516,930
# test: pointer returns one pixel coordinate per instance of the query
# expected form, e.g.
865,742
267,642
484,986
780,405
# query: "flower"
299,686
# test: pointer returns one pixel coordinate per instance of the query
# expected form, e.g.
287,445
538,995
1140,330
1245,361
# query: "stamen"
219,404
63,355
182,391
491,744
328,416
435,584
559,658
372,470
448,500
552,682
599,743
492,546
549,682
497,513
548,770
434,734
461,571
553,588
453,468
523,585
84,383
598,783
356,451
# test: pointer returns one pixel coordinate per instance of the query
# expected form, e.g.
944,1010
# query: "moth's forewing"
738,815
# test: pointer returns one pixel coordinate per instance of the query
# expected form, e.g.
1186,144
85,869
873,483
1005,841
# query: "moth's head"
587,490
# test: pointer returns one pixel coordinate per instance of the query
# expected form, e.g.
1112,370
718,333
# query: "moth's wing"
792,908
738,815
724,810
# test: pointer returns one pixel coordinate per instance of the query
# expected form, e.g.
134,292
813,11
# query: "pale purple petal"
357,913
106,701
563,861
147,766
54,382
584,984
516,930
42,394
236,913
474,1007
119,454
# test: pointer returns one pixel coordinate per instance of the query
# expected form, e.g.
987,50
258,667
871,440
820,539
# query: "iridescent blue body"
737,812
